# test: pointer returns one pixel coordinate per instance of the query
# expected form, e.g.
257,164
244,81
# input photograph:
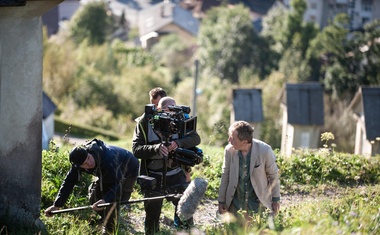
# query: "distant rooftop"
247,105
159,15
12,3
138,4
48,107
367,102
258,6
304,104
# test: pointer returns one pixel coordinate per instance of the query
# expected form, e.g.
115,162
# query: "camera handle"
165,167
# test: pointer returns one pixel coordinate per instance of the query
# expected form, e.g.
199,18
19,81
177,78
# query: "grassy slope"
315,198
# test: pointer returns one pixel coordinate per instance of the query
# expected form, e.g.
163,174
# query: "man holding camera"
154,149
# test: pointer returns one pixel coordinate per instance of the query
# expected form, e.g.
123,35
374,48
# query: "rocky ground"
205,215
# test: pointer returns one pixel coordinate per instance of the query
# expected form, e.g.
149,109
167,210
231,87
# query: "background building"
366,111
323,11
247,105
303,116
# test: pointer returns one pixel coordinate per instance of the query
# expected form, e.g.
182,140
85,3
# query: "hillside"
322,193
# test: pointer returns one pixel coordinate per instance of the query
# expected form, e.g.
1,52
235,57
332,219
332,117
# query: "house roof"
137,4
50,19
206,5
12,3
258,6
247,105
48,106
304,104
367,102
162,14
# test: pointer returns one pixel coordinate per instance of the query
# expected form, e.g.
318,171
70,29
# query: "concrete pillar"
21,55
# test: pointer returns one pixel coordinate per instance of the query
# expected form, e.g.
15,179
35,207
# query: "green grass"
330,193
80,130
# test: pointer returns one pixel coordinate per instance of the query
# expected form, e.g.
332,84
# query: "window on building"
367,6
313,5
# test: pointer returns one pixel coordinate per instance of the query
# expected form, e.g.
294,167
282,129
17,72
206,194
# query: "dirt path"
205,215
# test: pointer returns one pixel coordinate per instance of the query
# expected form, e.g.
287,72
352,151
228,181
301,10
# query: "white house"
303,116
365,107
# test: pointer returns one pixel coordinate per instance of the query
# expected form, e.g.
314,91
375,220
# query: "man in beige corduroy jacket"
249,174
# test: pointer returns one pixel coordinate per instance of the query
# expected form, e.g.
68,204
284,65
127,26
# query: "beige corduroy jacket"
263,174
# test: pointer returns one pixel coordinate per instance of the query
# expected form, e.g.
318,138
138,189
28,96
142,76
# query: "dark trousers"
110,214
153,212
175,183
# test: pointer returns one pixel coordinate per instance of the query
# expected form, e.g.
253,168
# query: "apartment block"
323,11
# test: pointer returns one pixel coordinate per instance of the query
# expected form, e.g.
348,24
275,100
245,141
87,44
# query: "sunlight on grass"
331,193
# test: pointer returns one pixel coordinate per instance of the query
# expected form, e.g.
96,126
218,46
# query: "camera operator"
152,148
156,94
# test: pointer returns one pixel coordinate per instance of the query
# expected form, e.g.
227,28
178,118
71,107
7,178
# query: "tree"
283,24
350,59
292,38
59,67
175,54
265,60
370,49
226,42
91,22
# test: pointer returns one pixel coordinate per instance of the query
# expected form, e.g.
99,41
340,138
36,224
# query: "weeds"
336,194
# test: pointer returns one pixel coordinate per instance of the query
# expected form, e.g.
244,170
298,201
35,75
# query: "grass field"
323,192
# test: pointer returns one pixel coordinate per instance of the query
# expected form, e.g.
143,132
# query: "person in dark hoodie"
116,170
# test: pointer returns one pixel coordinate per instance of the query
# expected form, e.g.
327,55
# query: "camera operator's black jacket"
112,165
145,150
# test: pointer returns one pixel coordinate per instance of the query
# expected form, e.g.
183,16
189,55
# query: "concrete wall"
286,141
306,137
257,130
21,114
362,145
256,125
297,136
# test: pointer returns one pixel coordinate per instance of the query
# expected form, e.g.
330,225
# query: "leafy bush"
356,212
62,126
351,181
92,23
312,167
210,169
55,165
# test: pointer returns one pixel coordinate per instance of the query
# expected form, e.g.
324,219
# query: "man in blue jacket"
116,170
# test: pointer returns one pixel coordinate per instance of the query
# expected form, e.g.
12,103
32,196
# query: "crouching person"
116,170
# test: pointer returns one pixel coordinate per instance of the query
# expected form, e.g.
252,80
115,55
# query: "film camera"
175,121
